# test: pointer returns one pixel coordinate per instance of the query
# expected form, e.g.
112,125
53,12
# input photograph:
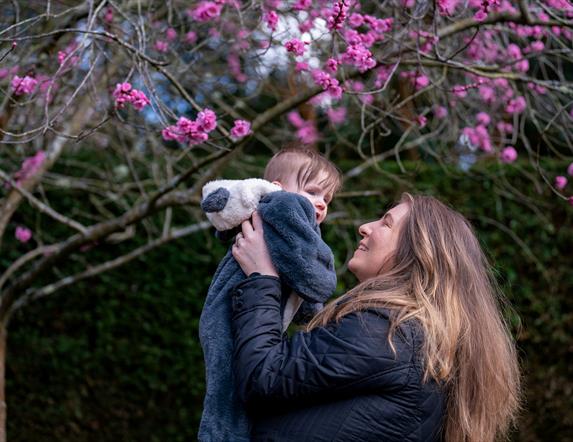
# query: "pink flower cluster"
478,137
336,115
240,129
306,130
338,16
425,40
296,46
192,131
23,85
302,5
561,181
516,106
358,55
418,80
508,155
328,83
23,234
485,8
271,18
206,11
124,93
447,7
64,57
30,167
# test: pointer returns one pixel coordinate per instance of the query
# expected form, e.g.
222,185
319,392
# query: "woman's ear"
278,183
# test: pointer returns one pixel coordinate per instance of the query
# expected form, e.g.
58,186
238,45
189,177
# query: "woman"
418,351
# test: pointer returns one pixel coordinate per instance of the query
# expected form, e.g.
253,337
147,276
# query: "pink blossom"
329,84
308,134
408,3
190,37
306,26
570,200
23,234
504,127
271,18
359,56
356,20
301,66
421,120
302,5
514,51
516,106
295,119
336,115
139,99
421,81
185,131
570,170
6,72
480,15
234,63
124,93
295,46
30,167
23,85
171,34
108,15
207,120
537,46
240,129
560,182
338,16
161,46
447,7
331,65
206,11
460,91
508,155
483,118
440,112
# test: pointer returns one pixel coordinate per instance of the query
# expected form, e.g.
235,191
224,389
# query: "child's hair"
305,164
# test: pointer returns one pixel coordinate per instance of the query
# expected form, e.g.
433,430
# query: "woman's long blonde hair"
440,276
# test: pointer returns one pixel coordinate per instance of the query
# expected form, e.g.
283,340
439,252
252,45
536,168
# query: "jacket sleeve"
349,357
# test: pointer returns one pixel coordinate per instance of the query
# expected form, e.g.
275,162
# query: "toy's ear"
215,201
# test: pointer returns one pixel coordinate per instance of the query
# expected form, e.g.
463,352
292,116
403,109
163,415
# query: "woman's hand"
250,249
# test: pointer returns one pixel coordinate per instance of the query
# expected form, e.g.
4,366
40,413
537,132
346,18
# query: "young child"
304,262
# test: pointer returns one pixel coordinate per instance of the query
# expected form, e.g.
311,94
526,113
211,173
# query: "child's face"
314,191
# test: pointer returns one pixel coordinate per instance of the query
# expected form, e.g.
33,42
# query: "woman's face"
379,241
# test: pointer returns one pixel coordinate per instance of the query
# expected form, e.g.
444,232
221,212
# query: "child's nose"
320,204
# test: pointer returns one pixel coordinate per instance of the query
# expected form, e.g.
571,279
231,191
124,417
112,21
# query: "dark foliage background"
117,358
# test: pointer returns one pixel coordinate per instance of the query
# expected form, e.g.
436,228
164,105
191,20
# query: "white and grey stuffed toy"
228,203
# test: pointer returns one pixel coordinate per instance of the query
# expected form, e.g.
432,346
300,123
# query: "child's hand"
250,249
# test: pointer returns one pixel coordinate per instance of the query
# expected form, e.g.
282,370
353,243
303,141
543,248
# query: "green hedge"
117,358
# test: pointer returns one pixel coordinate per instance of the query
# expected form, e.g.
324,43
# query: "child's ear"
278,183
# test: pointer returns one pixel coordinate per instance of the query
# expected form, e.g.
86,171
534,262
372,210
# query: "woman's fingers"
246,228
257,221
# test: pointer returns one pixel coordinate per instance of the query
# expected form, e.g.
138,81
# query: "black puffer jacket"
336,383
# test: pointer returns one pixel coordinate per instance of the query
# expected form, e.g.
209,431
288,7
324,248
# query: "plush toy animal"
228,203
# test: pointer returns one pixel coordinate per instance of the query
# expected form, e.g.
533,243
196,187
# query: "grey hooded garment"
305,264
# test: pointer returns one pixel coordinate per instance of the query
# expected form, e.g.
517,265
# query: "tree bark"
2,382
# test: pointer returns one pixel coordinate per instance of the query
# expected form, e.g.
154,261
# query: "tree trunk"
2,382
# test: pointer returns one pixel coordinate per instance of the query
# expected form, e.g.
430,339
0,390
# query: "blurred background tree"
113,114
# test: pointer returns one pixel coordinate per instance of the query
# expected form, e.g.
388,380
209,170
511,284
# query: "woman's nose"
364,229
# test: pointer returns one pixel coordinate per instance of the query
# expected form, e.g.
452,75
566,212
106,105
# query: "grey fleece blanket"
305,264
